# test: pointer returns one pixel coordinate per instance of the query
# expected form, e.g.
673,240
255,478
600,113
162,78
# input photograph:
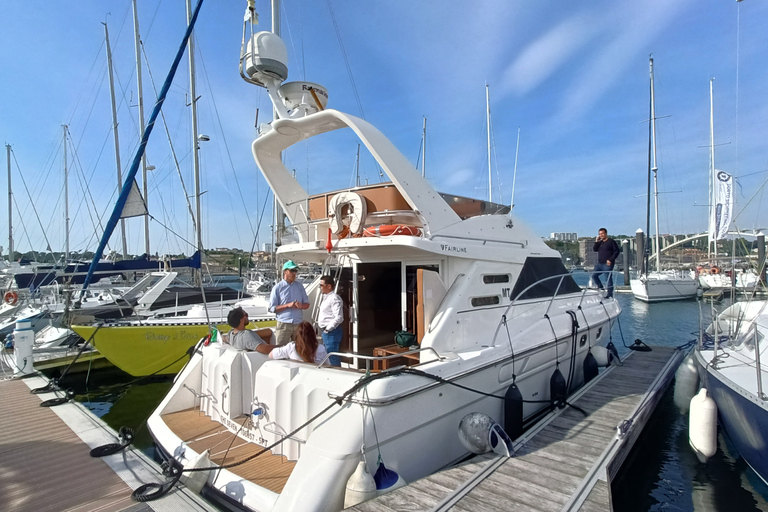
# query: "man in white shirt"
330,318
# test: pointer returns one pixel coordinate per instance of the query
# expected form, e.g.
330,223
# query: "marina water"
661,473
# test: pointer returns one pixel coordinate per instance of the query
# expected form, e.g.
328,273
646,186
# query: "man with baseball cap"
287,300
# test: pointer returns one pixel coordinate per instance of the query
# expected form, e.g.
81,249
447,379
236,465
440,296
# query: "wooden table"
389,350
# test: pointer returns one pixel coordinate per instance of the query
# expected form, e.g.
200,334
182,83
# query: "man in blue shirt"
287,300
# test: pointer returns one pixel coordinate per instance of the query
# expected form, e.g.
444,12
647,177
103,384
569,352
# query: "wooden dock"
45,463
564,463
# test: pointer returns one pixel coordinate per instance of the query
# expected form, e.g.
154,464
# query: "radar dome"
266,56
298,97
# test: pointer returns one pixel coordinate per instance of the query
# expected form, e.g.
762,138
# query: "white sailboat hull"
656,287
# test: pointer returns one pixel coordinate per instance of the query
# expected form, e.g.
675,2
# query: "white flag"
723,207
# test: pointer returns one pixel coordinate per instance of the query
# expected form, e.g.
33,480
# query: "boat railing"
521,298
369,359
758,367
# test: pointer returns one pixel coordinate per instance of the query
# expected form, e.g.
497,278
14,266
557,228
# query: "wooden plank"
552,466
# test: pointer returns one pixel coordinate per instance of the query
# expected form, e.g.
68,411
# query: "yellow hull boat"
152,349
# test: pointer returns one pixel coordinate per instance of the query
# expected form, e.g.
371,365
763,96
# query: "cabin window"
495,278
490,300
533,283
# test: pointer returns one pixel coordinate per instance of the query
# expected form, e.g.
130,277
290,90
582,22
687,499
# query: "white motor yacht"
492,311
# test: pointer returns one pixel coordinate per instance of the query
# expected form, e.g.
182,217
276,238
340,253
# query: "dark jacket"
607,251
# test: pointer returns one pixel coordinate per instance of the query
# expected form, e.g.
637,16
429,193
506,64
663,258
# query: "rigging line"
24,230
193,245
33,206
151,23
223,137
170,142
346,59
258,227
81,93
81,177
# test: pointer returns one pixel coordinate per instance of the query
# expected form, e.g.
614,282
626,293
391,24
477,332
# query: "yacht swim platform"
45,463
566,462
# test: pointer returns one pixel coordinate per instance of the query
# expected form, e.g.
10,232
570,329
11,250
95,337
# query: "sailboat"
489,307
659,285
159,344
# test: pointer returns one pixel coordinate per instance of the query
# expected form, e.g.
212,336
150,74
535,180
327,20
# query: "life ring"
392,229
11,298
715,270
357,212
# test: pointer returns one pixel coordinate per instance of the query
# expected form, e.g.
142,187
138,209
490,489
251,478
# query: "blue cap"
290,265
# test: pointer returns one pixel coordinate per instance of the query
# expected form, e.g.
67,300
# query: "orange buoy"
11,298
391,230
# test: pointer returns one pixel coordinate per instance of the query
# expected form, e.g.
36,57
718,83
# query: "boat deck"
45,463
565,462
201,433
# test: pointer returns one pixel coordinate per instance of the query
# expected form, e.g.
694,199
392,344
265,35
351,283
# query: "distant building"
587,255
266,247
564,237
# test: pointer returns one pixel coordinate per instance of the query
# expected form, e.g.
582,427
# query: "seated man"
242,338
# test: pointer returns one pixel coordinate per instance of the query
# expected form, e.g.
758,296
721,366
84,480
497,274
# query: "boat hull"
743,416
151,349
659,290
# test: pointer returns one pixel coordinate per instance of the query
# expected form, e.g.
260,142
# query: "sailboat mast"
279,224
66,199
145,187
357,167
655,171
10,206
114,130
195,155
424,149
488,125
712,198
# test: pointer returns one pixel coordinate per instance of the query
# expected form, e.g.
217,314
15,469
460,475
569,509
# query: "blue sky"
572,76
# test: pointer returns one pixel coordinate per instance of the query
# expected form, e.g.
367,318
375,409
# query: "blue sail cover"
75,272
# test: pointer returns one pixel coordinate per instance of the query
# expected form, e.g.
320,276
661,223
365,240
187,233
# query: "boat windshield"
534,275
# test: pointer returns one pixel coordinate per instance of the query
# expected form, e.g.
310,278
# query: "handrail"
367,359
518,298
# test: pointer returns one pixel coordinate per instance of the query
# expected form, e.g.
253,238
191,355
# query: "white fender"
702,426
360,486
602,356
195,481
357,212
686,384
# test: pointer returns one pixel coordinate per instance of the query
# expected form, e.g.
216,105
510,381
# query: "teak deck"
565,463
200,433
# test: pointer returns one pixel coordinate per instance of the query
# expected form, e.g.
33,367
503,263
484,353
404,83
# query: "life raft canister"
356,208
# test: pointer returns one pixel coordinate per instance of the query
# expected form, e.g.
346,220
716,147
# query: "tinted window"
496,278
536,269
491,300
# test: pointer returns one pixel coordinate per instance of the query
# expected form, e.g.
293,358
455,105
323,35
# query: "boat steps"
565,462
45,463
200,433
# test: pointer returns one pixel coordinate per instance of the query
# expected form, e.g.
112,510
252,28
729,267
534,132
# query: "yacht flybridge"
491,307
